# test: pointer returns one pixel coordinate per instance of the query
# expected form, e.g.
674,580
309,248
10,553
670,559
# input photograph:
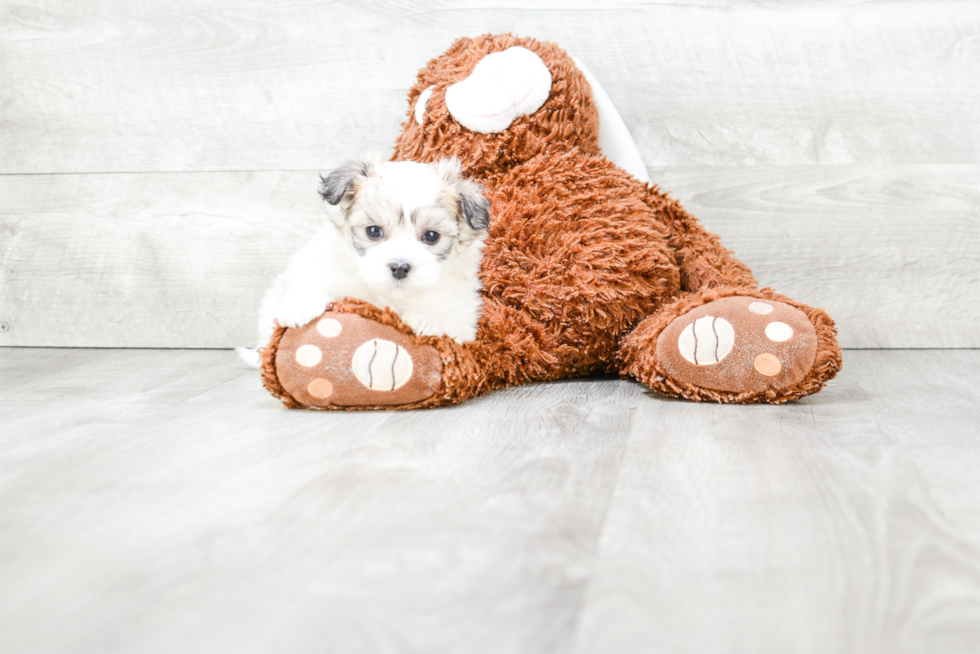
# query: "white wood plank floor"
160,501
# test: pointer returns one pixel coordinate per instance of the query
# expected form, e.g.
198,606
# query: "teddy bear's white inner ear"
502,87
614,137
420,104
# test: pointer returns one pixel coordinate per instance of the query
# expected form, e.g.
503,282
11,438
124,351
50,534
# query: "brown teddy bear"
586,269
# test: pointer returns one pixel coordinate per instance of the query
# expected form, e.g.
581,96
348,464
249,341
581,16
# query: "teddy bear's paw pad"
739,344
345,360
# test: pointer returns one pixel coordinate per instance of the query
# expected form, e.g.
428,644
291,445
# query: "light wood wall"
159,160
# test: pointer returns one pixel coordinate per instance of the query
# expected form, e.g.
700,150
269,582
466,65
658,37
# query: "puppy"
403,235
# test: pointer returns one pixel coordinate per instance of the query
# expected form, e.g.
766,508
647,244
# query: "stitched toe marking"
308,355
320,388
381,365
329,328
779,332
767,364
706,341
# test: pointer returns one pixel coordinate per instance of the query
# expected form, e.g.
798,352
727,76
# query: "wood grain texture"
844,523
890,251
181,260
175,260
160,501
139,86
194,513
834,145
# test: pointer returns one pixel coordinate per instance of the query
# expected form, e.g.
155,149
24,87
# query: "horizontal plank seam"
164,172
651,167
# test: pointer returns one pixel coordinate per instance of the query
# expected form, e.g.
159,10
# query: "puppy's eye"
431,237
374,232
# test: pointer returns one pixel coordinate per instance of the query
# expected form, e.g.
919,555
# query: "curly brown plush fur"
584,267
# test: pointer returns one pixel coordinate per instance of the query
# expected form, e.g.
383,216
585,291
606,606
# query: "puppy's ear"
473,206
341,184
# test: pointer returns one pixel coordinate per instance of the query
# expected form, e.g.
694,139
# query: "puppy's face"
407,222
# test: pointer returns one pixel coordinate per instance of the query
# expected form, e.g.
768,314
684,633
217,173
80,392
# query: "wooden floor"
160,501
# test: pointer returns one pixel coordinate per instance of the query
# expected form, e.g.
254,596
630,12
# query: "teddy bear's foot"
735,345
739,344
344,360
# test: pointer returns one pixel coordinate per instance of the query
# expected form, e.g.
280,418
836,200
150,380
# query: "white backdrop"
159,159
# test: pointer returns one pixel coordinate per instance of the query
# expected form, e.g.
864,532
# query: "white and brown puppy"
403,235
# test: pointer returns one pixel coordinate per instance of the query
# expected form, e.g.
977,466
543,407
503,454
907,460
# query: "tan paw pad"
767,364
320,388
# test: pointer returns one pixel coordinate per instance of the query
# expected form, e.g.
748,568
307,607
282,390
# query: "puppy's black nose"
399,269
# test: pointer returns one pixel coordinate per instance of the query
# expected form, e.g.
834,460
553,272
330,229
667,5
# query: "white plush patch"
329,327
381,365
308,355
706,341
779,332
614,137
502,87
420,105
760,308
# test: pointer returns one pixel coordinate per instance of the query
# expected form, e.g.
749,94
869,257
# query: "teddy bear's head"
494,102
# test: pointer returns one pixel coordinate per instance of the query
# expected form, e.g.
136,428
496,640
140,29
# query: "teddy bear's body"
564,251
586,269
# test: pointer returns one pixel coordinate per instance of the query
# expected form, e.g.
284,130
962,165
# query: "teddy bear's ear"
341,183
473,206
503,87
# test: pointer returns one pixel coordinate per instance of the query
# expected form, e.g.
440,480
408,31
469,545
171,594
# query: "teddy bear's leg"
730,344
722,339
356,356
702,259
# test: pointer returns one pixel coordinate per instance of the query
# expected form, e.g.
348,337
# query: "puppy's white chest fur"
402,235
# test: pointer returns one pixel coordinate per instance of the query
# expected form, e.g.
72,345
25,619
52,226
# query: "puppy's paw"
461,329
300,306
422,324
251,358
